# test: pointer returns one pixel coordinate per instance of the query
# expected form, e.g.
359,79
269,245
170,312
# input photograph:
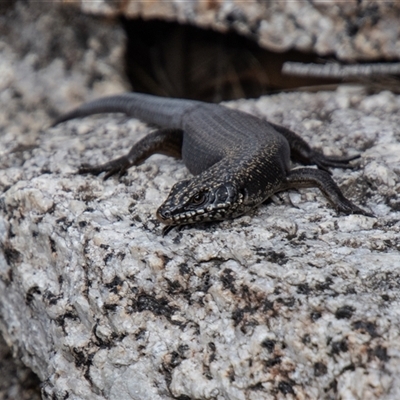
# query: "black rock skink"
237,159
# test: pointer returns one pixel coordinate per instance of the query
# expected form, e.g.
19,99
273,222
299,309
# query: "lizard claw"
347,207
325,162
355,210
115,170
118,166
167,228
90,169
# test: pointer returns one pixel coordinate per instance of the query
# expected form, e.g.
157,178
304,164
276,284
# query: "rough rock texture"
51,58
77,57
352,30
292,301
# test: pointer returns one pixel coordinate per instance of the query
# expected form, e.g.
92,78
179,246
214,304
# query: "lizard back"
213,132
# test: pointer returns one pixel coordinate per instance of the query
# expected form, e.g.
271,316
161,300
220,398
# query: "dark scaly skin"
237,159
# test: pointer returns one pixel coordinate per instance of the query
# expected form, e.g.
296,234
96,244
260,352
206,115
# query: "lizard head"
193,201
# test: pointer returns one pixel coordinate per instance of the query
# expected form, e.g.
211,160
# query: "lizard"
237,160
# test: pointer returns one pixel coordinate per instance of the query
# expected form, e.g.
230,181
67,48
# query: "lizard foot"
325,162
311,177
118,166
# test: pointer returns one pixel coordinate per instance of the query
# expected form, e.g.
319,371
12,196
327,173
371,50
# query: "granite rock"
290,301
51,58
352,30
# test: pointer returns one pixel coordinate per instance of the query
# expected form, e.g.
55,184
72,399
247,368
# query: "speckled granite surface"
77,57
351,30
292,301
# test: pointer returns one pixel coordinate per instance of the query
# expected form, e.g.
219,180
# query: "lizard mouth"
187,217
191,217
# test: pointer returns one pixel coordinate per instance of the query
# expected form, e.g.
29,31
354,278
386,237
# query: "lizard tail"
165,112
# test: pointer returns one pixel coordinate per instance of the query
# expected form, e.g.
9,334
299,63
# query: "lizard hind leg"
161,141
310,177
303,153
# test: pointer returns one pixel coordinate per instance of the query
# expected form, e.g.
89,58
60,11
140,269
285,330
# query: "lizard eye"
198,199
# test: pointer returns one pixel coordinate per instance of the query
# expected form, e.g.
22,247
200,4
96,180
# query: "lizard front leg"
310,177
161,141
